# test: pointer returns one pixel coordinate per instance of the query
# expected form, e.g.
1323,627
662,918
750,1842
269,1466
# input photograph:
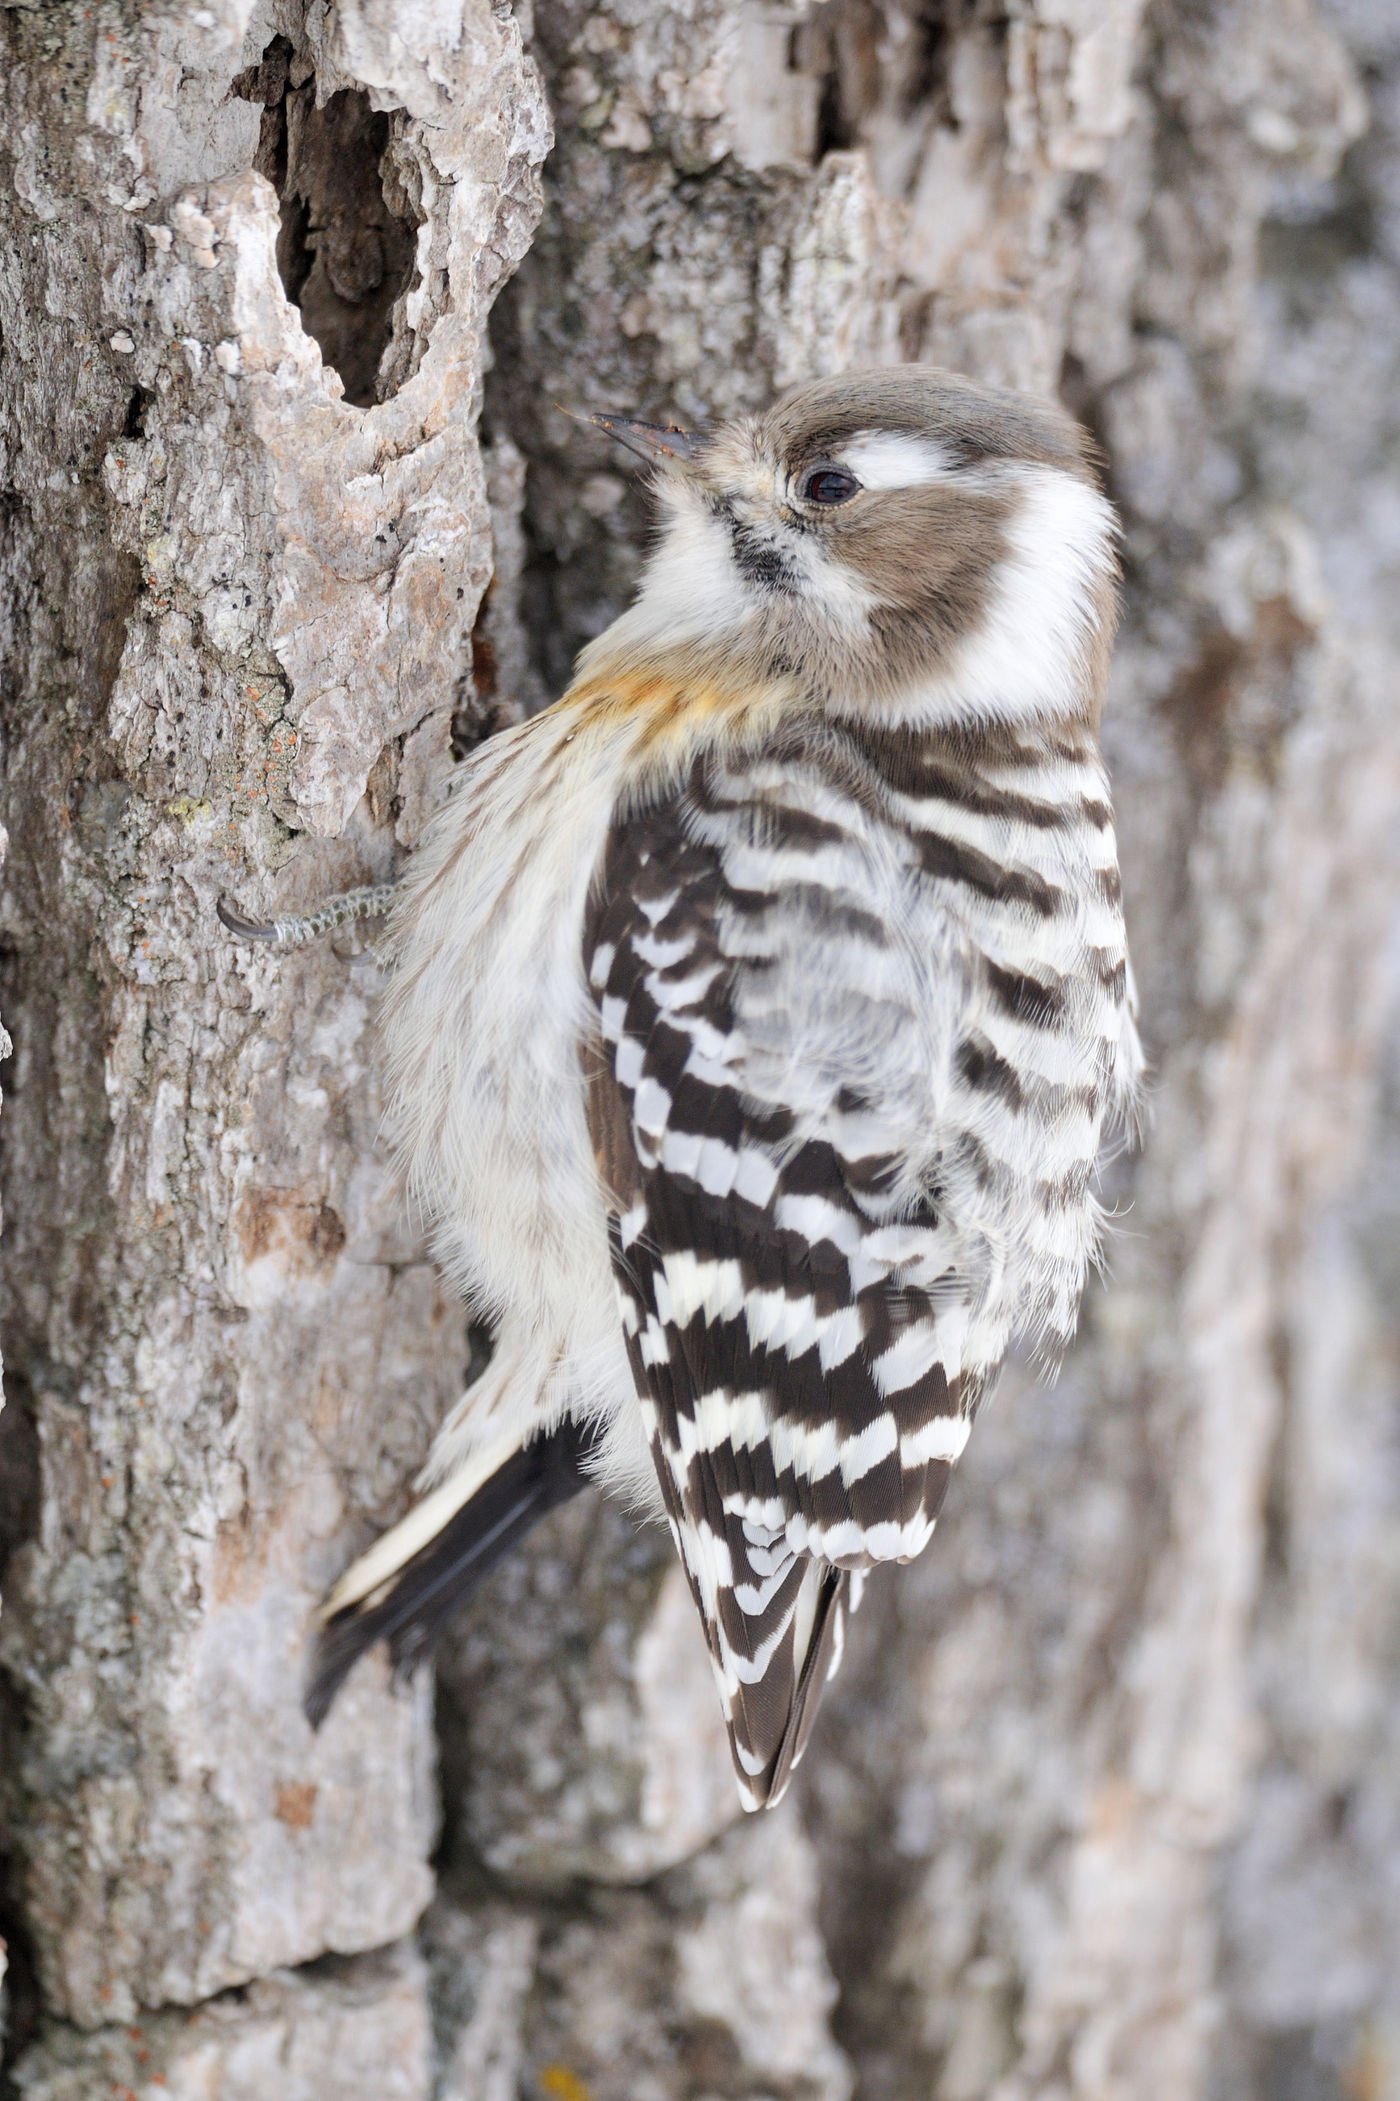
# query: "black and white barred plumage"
758,1015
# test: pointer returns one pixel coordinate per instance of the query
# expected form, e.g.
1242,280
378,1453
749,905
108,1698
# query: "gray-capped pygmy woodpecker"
756,1017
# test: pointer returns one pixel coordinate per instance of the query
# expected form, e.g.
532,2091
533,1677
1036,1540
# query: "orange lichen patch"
1115,1809
296,1804
235,1544
304,1232
563,2085
1369,2073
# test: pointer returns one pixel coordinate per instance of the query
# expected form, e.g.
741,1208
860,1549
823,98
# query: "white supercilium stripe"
890,459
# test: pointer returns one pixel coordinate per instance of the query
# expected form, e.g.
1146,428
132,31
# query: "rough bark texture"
1106,1806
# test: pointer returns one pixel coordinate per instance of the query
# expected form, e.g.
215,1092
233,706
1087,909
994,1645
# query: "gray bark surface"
295,301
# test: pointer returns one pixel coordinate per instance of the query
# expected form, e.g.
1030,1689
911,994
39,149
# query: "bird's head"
902,543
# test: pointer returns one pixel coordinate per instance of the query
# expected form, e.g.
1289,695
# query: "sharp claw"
243,928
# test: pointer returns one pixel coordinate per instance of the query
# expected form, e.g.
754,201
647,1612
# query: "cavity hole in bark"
840,48
19,1466
926,84
471,718
346,247
20,2000
135,425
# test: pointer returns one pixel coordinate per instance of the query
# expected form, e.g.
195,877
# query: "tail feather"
820,1656
410,1604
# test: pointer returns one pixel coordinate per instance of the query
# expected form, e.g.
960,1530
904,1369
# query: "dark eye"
827,485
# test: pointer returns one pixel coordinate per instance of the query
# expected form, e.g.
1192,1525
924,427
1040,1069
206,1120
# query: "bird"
756,1017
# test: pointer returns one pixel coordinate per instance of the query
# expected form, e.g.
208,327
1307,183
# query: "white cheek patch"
1027,656
692,586
892,459
846,599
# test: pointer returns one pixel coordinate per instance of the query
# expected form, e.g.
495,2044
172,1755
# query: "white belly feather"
483,1020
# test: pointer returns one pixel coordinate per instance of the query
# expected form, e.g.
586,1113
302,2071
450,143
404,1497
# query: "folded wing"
794,1320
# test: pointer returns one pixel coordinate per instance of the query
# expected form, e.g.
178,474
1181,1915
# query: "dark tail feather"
422,1596
828,1628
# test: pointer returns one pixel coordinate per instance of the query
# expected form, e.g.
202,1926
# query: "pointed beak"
658,444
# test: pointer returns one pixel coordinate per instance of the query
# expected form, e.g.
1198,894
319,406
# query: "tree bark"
1102,1806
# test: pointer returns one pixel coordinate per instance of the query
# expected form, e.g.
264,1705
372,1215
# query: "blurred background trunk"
1106,1806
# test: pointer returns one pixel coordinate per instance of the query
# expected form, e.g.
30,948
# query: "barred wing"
795,1324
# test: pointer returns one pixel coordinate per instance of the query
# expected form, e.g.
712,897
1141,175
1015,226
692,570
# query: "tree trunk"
1103,1806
